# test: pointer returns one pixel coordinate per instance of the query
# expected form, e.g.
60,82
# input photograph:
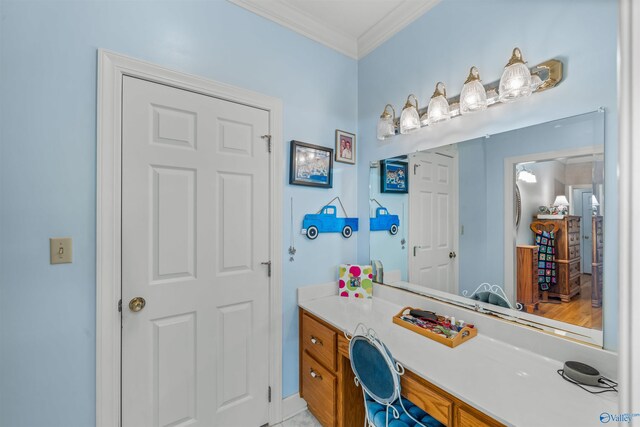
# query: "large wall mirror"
511,223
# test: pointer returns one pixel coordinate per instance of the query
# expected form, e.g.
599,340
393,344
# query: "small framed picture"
394,176
311,165
345,147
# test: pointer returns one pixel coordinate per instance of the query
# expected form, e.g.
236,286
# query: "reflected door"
195,203
433,221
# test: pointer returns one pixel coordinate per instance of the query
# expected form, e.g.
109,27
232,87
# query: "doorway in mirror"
558,231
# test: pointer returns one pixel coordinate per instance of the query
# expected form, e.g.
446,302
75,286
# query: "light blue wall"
48,173
456,34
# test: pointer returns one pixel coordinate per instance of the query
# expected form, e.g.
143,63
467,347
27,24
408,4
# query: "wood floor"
578,311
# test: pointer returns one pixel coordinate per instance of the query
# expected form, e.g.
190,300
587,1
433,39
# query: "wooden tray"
464,335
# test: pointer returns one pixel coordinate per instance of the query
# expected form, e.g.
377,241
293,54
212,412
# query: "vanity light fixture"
473,96
409,118
438,109
386,123
516,79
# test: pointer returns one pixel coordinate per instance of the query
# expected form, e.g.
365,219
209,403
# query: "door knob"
137,304
452,255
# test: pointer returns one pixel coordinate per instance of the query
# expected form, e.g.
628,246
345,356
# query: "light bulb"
438,109
386,123
516,79
409,119
473,96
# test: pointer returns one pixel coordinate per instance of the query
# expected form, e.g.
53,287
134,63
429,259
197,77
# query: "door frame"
112,67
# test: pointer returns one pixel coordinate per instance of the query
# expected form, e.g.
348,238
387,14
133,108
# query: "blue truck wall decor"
326,221
383,221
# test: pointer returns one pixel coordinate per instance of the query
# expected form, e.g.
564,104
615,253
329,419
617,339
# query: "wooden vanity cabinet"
326,383
527,277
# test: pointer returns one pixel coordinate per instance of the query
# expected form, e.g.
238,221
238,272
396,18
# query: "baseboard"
292,405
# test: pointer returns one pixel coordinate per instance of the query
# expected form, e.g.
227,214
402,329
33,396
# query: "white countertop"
514,386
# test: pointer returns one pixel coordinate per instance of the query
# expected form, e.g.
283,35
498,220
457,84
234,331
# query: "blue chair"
379,376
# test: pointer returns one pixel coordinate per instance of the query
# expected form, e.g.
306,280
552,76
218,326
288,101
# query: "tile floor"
303,419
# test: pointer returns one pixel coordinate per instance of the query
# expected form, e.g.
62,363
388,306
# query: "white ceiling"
353,27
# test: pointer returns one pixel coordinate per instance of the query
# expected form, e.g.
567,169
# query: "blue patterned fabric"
378,414
545,240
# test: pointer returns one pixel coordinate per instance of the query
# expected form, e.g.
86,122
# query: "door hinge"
269,393
120,306
268,138
268,264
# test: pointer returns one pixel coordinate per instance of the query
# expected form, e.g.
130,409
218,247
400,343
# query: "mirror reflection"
514,220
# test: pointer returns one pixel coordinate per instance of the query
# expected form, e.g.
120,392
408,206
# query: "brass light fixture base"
550,72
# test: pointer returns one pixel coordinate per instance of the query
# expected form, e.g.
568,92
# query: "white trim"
287,15
298,21
391,24
629,203
111,69
292,406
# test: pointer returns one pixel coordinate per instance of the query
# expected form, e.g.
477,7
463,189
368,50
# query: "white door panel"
433,221
195,204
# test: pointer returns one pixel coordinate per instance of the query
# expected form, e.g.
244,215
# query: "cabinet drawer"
574,284
427,399
574,251
319,390
598,256
466,418
574,269
574,239
574,225
319,341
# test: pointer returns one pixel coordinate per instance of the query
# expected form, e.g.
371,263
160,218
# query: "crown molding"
302,23
391,24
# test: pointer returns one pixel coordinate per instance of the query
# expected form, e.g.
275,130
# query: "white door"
195,204
586,223
433,221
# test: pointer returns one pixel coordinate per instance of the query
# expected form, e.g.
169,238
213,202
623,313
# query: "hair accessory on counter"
428,316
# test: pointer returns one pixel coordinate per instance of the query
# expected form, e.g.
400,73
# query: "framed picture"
394,176
345,147
311,165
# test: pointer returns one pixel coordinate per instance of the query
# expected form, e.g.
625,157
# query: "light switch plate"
61,250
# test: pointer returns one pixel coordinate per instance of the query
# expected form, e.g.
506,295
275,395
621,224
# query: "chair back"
374,368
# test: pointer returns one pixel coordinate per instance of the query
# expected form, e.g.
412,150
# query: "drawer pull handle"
315,375
315,340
